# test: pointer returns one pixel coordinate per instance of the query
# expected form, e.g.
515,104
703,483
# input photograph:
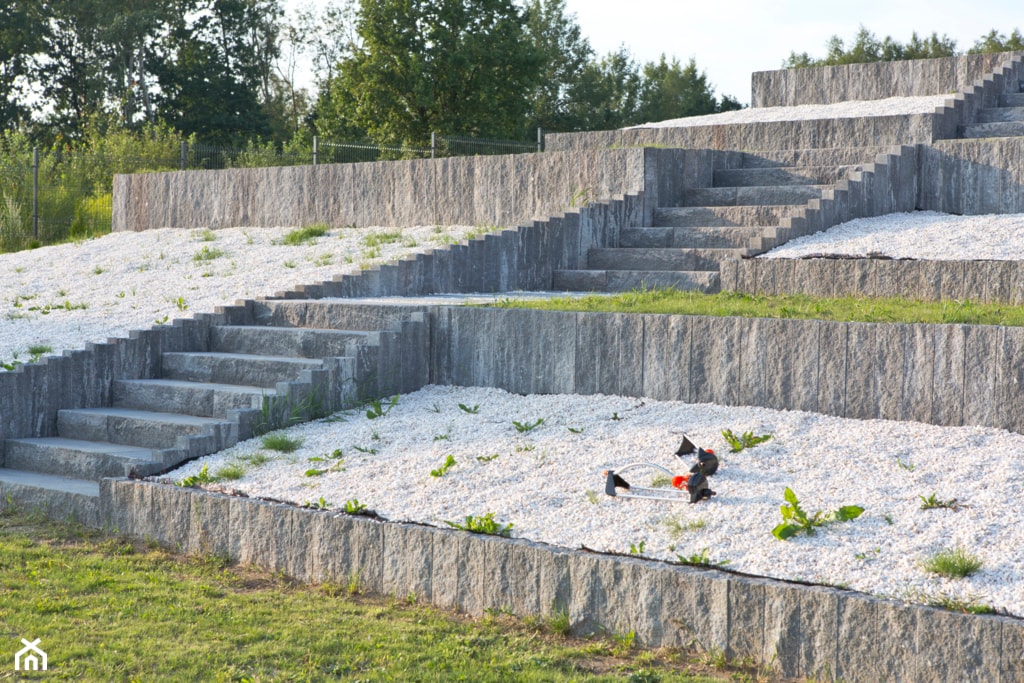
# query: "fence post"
184,155
316,149
35,193
540,139
433,145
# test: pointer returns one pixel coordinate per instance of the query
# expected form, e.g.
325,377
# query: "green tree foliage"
671,91
446,66
565,54
998,42
21,28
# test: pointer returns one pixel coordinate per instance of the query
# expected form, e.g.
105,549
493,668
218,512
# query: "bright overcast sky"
730,39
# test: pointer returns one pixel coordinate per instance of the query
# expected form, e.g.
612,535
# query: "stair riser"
751,196
701,238
994,130
127,430
281,341
58,505
846,156
250,372
627,281
763,177
656,259
1012,100
723,217
1001,115
197,400
77,464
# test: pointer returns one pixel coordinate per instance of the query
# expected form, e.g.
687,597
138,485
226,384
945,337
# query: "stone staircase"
1003,121
735,218
248,379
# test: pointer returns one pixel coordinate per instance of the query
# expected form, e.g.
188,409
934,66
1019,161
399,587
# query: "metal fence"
53,197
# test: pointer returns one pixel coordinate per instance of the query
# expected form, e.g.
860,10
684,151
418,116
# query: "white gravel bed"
132,280
548,484
893,106
923,235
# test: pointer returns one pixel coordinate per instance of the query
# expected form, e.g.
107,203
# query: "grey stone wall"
924,373
800,631
490,190
911,78
977,281
972,176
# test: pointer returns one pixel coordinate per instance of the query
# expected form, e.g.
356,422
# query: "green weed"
953,563
701,559
207,254
796,520
281,442
744,441
378,410
932,502
306,234
525,427
449,463
483,525
470,410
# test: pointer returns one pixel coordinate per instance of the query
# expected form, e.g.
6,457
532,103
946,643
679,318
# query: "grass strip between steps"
794,306
106,608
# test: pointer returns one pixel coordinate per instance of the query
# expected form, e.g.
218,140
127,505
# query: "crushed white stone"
893,106
922,235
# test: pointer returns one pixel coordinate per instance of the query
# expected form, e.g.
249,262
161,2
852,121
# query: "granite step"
1006,129
752,196
784,175
1001,114
1012,99
296,342
187,398
91,460
641,259
237,369
723,216
631,280
56,497
842,156
699,237
143,428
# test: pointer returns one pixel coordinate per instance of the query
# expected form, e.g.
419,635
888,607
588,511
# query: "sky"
731,39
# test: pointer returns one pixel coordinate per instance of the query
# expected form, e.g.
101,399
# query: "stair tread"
103,447
51,482
153,416
250,356
186,384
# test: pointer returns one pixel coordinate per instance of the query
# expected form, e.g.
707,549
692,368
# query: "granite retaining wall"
875,81
814,632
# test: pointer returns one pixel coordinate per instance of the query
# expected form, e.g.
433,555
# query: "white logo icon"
30,657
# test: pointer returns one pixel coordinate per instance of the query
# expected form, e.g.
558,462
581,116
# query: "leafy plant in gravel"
318,505
637,548
743,441
676,527
526,427
966,605
204,477
701,559
354,507
207,254
485,524
301,236
280,442
230,472
953,563
487,458
377,409
449,463
933,502
469,410
795,519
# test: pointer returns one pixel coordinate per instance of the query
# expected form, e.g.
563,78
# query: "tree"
445,66
565,54
868,48
21,26
671,91
607,93
997,42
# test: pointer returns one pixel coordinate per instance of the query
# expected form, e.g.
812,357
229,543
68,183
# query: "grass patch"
106,608
953,563
280,442
796,306
305,234
377,239
207,254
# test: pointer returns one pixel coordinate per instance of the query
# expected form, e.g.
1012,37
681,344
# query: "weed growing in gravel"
207,236
377,409
932,502
795,519
180,303
953,563
229,472
483,525
37,351
318,505
278,441
338,456
368,451
204,477
905,465
593,497
637,548
377,239
309,233
526,427
207,254
98,270
744,441
288,264
660,481
255,459
471,411
701,559
487,458
323,260
677,527
354,507
575,430
449,463
966,605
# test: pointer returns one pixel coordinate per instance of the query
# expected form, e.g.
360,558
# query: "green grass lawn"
107,609
847,309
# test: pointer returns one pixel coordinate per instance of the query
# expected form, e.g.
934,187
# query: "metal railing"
52,197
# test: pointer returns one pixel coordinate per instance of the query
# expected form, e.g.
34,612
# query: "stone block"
1010,388
792,358
746,599
1011,659
696,602
716,366
523,575
832,353
948,375
857,647
609,354
755,344
208,524
863,375
956,647
917,374
981,383
893,371
407,560
666,357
